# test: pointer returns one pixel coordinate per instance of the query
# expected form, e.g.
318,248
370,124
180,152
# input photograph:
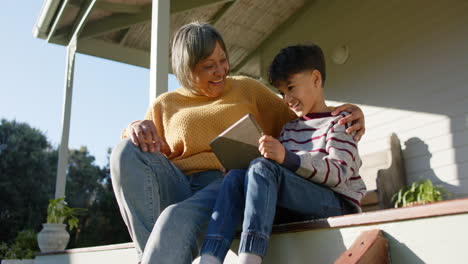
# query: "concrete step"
433,233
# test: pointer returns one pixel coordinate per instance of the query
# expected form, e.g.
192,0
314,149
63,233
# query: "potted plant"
54,236
420,192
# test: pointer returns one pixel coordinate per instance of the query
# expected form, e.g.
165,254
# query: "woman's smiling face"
209,74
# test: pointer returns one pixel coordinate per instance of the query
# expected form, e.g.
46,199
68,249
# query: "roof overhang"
120,30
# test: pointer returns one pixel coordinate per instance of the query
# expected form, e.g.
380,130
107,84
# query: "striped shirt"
318,149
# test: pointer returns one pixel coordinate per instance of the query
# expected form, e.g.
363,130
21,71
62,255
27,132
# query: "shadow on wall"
420,167
459,136
400,252
302,247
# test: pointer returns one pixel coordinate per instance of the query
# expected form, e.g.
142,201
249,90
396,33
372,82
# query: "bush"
24,246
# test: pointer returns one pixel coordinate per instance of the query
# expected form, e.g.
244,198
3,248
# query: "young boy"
312,170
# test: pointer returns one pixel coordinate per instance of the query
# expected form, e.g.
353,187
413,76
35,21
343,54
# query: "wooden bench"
384,174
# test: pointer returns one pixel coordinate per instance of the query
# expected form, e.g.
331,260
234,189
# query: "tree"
89,186
27,177
28,166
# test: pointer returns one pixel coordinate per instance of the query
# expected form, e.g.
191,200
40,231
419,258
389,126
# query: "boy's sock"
248,258
209,259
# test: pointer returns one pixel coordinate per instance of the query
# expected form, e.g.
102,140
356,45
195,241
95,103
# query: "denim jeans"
166,212
227,215
264,188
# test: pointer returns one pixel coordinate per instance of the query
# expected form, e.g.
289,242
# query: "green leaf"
421,191
58,212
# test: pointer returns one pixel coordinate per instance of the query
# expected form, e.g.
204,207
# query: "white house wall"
408,69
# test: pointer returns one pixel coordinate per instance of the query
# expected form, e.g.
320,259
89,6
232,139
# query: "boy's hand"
356,117
271,148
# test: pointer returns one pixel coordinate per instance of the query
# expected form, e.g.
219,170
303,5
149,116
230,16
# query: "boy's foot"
209,259
247,258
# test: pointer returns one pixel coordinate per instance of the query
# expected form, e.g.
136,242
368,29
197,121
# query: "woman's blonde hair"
191,44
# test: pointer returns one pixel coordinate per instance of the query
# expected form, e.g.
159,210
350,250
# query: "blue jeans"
265,187
166,212
226,216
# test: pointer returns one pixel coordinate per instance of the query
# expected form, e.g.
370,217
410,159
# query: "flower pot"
18,261
416,203
53,237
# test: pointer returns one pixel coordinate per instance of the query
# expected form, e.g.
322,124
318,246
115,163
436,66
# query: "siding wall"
408,69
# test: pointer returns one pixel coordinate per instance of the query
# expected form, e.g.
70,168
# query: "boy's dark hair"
295,59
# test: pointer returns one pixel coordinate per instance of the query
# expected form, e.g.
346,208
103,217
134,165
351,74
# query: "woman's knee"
169,216
126,159
174,233
122,152
177,220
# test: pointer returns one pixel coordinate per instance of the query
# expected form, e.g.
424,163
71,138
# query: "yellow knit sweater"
188,122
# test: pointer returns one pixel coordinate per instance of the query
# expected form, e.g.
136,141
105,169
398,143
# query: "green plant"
24,247
58,212
420,192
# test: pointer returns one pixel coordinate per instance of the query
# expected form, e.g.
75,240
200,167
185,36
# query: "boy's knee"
262,163
234,179
264,168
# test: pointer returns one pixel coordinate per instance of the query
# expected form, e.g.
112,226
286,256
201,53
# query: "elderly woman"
164,174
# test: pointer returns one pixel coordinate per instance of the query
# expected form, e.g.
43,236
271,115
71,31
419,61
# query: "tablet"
238,145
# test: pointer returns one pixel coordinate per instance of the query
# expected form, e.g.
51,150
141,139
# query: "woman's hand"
143,134
271,148
223,170
356,117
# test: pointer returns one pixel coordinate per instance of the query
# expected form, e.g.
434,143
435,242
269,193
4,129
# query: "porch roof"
120,30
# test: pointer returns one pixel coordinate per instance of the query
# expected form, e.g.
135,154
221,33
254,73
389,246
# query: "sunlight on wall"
434,145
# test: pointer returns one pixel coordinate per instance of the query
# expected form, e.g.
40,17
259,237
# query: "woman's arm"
356,118
147,134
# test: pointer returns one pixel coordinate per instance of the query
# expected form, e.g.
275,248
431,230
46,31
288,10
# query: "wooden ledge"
451,207
370,247
89,249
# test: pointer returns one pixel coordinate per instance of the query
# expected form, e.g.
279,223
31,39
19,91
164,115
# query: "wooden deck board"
451,207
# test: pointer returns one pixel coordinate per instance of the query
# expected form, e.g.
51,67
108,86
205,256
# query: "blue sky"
107,95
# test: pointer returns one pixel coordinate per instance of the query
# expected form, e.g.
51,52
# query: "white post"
159,48
63,150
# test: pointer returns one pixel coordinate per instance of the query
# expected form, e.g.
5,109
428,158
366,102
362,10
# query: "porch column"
77,27
63,149
159,64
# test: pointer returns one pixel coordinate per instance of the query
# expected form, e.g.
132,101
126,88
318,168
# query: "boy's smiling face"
303,94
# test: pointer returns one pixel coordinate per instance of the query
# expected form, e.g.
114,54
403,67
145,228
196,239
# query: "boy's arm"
339,164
